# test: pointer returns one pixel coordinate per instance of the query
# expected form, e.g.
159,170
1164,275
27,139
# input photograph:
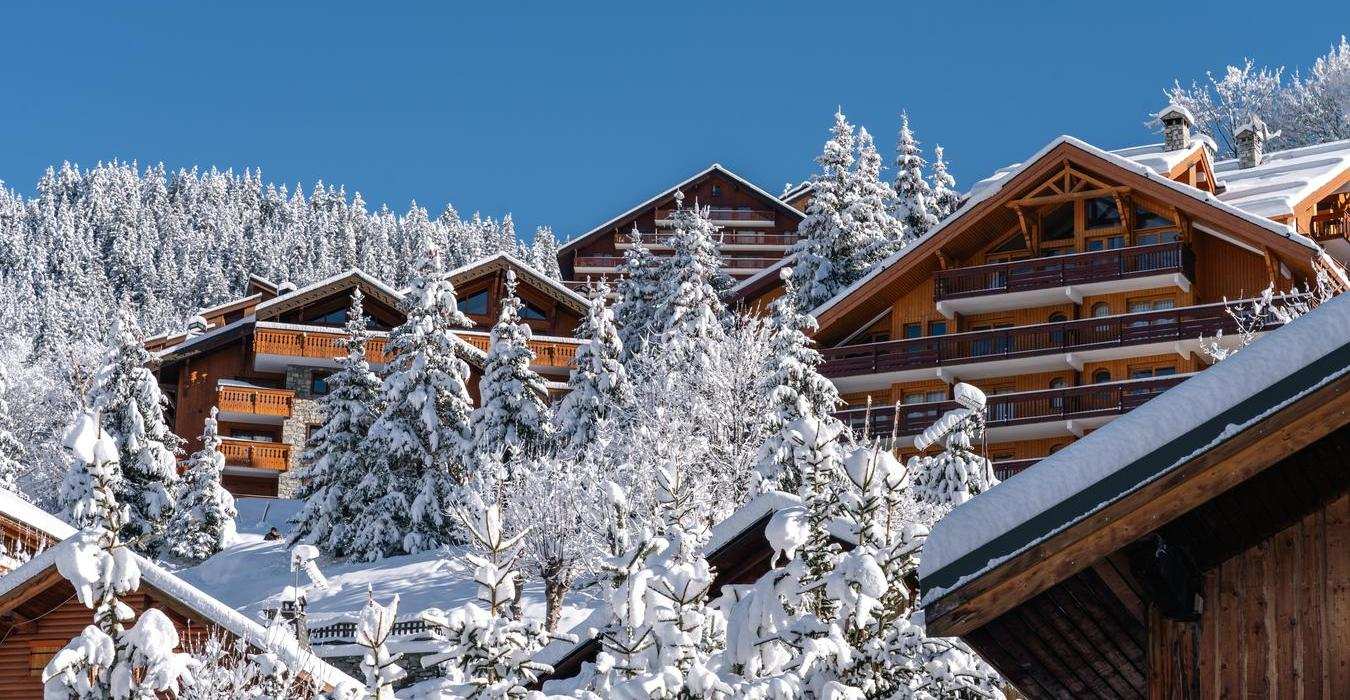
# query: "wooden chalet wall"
559,319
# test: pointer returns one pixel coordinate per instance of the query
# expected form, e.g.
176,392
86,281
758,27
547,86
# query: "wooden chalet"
756,229
263,360
25,531
1199,547
1073,287
40,614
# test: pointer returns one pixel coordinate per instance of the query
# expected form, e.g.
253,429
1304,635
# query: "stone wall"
305,412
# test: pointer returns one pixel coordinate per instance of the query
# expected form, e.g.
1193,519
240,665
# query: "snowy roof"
769,273
1178,111
568,294
1157,158
990,186
13,507
1284,180
352,272
210,609
718,167
1137,448
190,341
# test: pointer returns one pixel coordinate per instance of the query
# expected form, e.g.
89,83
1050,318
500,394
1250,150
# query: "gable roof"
1285,180
1277,235
1192,418
554,288
317,290
13,507
190,597
670,191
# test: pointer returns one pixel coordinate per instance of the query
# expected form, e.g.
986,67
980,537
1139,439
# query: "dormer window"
336,317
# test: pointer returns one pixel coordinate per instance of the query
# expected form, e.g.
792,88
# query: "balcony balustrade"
1186,323
598,261
256,401
1021,408
1330,226
548,352
316,344
275,456
739,215
1008,468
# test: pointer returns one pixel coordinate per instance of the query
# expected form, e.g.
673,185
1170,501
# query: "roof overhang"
371,287
501,261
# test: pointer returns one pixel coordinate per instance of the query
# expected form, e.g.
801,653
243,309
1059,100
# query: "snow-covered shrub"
203,523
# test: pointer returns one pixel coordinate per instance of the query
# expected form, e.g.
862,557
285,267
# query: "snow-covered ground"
250,574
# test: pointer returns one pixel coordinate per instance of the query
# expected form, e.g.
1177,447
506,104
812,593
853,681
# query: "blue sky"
567,113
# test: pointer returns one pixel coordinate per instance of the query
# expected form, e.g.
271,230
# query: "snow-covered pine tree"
869,212
421,434
513,422
959,472
688,317
833,251
914,205
544,252
128,401
638,294
203,523
598,383
380,667
336,459
487,653
793,387
11,451
946,199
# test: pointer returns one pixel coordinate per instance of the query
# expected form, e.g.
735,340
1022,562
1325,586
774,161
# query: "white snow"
577,300
353,272
1132,436
1284,179
12,507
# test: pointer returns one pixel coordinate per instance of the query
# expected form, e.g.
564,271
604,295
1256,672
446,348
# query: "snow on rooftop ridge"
13,507
1124,440
1284,179
349,272
556,284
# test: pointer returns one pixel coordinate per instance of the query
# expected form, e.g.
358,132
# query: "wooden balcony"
741,216
598,262
1330,226
1077,403
554,352
254,401
1088,338
275,456
744,239
314,344
1041,281
1009,468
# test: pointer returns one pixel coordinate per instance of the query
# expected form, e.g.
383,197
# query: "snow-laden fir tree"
203,523
11,450
379,666
946,199
688,320
513,421
638,294
869,211
915,205
486,652
959,472
598,384
421,436
130,405
544,253
838,240
337,458
794,389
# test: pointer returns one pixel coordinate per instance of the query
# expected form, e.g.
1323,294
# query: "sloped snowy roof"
1284,179
210,609
351,272
990,186
21,511
1137,448
755,279
718,167
1157,158
535,274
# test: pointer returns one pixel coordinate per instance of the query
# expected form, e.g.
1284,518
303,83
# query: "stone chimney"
1251,142
1177,122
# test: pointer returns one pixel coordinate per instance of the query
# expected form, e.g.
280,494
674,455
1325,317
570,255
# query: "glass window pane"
1057,225
1017,242
1101,212
1144,218
531,311
937,328
913,330
475,304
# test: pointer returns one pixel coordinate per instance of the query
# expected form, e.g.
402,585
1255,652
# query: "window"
318,383
1106,243
530,311
923,397
1012,245
1057,317
1135,306
475,304
717,190
1100,212
1144,218
937,328
1101,309
1101,376
1157,237
913,330
874,337
1055,448
251,436
934,396
1057,225
336,317
1147,372
1058,383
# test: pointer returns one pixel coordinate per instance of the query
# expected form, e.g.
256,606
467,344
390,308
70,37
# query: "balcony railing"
1022,408
742,214
550,352
1330,225
255,400
748,263
256,454
1186,323
1007,468
1064,270
749,238
310,343
599,261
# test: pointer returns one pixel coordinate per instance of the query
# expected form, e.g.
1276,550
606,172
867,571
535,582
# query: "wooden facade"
755,228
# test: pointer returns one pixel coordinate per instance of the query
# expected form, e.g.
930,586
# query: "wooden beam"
1157,503
1069,197
1272,266
943,262
30,589
1126,216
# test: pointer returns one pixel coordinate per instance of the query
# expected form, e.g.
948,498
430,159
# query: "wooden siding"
197,380
1225,271
558,319
1276,621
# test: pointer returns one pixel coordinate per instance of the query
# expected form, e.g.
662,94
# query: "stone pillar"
305,412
